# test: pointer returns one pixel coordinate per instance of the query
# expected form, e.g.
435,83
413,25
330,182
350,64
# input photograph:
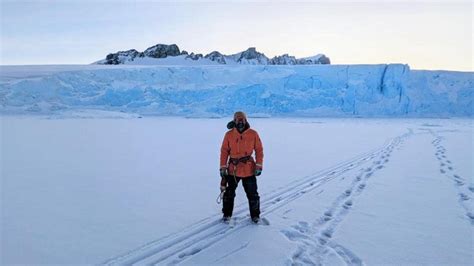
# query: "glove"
223,184
258,172
223,172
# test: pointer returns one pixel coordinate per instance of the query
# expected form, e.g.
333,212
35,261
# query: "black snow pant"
250,187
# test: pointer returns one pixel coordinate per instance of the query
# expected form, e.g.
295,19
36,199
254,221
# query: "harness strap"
236,161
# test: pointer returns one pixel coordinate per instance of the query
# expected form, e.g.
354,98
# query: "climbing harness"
236,161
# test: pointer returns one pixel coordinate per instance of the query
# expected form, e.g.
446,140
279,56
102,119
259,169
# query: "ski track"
314,241
446,167
241,247
180,246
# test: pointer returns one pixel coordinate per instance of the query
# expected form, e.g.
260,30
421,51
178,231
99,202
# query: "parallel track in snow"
193,239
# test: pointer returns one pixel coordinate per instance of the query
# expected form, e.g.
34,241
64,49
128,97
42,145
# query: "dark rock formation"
162,51
249,56
216,56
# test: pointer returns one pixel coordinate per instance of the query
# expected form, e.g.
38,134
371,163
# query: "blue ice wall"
391,90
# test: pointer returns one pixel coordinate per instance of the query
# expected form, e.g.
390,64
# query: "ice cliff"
391,90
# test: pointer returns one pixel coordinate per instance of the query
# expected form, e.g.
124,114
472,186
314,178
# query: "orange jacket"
238,145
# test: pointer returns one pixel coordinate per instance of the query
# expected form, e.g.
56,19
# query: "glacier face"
306,90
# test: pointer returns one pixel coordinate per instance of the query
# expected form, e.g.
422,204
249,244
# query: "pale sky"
423,34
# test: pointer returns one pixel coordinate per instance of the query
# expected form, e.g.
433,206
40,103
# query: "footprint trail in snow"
314,241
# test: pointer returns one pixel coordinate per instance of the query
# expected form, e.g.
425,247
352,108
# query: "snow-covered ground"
333,191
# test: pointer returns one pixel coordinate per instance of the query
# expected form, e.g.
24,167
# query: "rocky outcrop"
317,59
283,60
120,57
162,51
194,56
251,56
324,60
216,56
248,57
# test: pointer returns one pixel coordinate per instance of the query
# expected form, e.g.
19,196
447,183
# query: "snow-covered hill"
163,54
214,91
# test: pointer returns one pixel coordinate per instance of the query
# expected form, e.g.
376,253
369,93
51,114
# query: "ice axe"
222,187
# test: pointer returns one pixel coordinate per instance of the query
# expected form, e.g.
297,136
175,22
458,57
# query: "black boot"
226,219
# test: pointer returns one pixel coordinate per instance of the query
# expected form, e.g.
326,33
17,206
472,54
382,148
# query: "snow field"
333,192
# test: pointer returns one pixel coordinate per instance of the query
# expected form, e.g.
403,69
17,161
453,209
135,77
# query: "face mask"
240,125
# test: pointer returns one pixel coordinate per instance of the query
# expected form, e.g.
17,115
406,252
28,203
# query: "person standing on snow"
237,163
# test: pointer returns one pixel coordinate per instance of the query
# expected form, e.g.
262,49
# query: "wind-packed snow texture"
214,91
142,192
